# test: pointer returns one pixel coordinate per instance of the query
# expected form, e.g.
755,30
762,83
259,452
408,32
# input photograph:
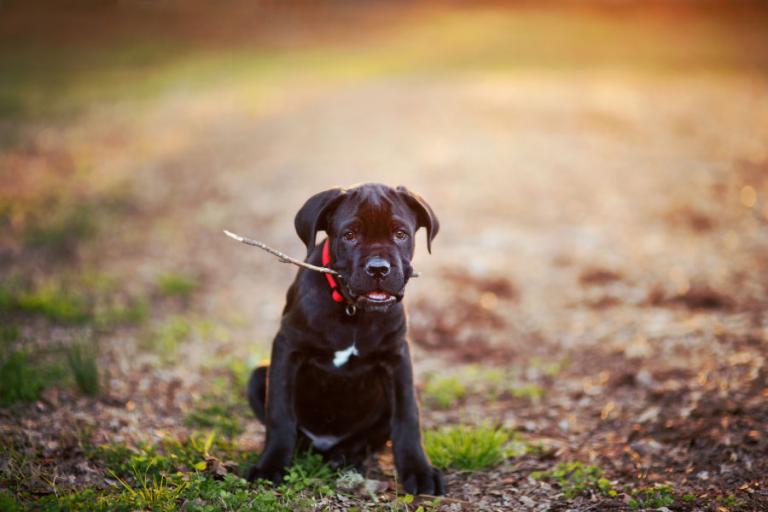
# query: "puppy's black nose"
377,267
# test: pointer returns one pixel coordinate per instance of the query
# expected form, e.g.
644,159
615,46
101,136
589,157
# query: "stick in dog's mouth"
284,258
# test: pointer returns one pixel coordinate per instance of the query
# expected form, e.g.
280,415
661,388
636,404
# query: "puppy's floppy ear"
312,217
425,217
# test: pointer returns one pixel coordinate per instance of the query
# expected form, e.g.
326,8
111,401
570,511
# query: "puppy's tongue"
378,295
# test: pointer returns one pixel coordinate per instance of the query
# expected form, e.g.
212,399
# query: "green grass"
59,217
444,392
730,500
81,357
532,392
466,447
217,417
577,478
175,472
53,301
550,369
169,456
201,473
176,285
168,335
75,302
224,404
23,378
8,502
20,379
115,310
655,496
72,300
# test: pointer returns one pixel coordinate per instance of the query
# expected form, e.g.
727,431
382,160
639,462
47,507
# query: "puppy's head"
371,229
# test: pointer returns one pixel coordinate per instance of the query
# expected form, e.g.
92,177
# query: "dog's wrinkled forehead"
371,205
374,210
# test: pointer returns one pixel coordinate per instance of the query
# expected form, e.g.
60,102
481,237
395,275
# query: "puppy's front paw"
267,472
424,480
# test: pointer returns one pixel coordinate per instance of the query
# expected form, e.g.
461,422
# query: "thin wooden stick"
284,258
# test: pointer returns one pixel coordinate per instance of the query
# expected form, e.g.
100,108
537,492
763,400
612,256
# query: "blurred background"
598,286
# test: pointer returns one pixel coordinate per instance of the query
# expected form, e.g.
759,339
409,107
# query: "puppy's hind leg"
257,392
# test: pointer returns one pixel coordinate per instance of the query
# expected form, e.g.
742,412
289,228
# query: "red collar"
335,295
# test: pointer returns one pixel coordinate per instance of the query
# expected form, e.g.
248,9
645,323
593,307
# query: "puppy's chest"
349,354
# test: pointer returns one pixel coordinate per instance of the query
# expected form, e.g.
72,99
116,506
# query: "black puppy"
340,377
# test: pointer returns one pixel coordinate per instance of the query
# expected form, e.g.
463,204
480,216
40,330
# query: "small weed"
688,497
176,285
466,447
548,369
81,357
532,392
404,503
658,495
8,502
729,501
444,392
20,380
577,478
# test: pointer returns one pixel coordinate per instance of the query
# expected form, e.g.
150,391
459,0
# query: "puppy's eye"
348,236
400,234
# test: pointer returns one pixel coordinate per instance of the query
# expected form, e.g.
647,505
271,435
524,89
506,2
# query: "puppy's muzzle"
378,268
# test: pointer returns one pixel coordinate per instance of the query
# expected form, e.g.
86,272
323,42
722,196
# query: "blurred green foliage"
174,284
168,336
444,392
52,80
60,233
81,357
20,380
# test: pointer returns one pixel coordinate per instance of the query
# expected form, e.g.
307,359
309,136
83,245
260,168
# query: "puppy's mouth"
378,297
374,300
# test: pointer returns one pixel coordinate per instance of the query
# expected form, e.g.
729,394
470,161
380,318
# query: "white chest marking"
322,443
340,357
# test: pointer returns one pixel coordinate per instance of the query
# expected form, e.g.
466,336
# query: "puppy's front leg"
413,466
281,415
